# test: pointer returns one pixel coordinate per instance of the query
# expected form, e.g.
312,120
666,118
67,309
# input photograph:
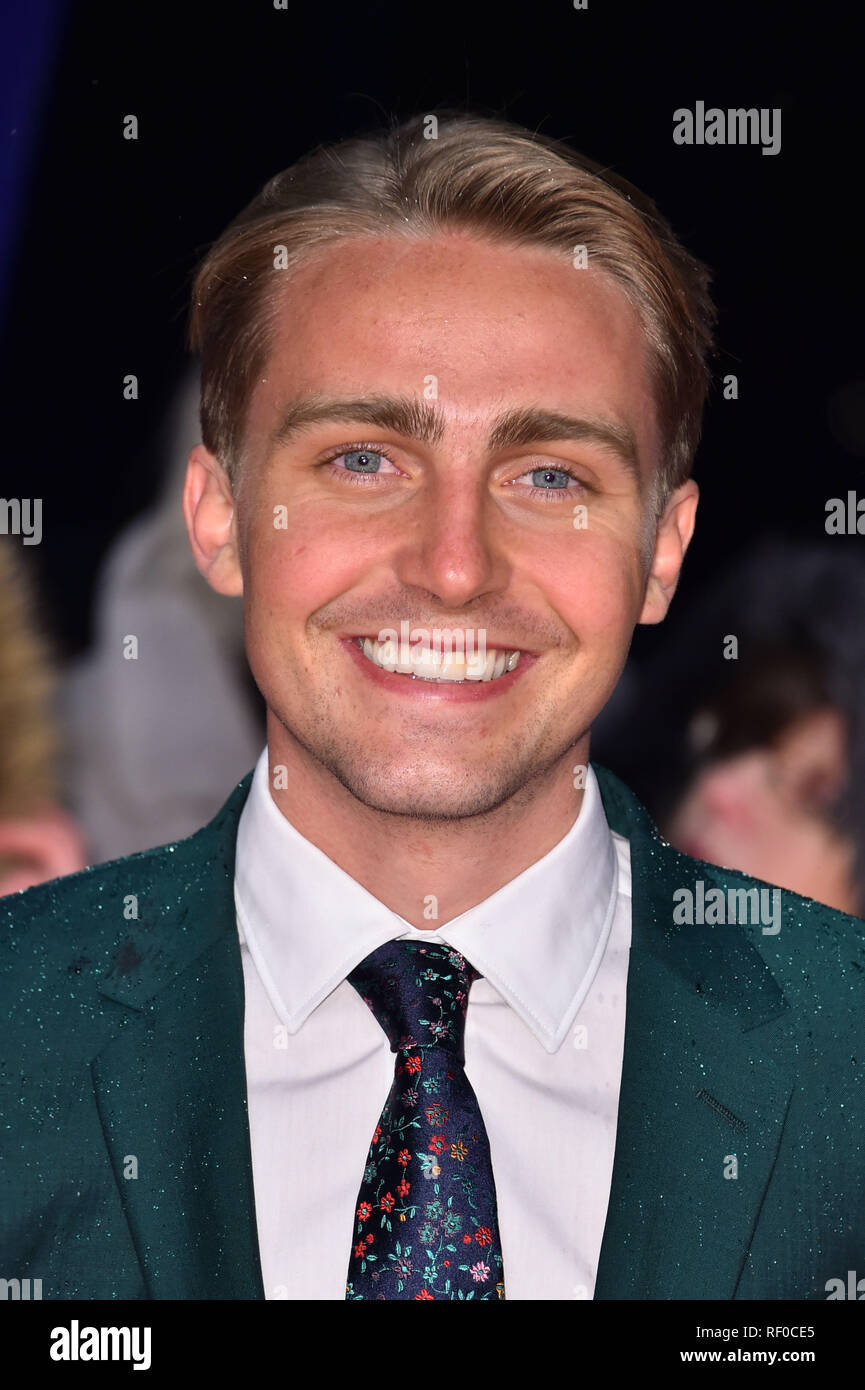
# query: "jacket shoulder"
59,939
815,953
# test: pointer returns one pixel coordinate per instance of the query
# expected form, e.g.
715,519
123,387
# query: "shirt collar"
538,940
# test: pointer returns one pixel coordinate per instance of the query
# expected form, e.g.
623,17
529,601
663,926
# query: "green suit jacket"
738,1167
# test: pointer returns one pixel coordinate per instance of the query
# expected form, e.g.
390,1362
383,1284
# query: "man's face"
363,520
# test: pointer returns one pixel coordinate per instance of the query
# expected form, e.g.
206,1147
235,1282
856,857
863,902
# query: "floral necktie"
426,1224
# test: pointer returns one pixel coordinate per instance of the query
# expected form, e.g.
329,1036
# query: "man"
424,1012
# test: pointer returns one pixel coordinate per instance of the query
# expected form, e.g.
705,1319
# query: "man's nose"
453,547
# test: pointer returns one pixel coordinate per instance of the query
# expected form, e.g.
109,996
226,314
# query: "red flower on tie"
359,1249
438,1144
404,1188
364,1210
388,1202
483,1235
377,1135
403,1157
424,1294
467,1240
412,1064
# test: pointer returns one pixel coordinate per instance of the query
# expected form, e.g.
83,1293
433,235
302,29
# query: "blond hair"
29,745
478,174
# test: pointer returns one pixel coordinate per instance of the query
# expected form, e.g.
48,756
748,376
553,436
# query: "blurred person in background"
759,764
144,765
38,838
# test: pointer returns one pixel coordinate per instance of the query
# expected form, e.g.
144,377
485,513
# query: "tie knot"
418,993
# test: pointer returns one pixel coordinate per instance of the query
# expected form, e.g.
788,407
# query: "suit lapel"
171,1085
707,1076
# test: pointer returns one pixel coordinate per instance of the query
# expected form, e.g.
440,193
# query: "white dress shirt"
543,1046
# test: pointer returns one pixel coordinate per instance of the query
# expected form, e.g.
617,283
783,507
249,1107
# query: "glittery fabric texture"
123,1038
425,1224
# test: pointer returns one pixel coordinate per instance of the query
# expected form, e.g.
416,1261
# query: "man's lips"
441,691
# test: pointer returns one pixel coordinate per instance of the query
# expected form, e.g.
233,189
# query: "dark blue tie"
426,1225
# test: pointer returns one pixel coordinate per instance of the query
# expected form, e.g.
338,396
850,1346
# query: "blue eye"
362,460
551,478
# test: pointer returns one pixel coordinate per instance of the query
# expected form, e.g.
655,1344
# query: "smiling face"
450,434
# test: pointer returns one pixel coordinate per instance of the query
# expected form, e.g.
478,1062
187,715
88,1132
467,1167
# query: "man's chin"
431,793
433,779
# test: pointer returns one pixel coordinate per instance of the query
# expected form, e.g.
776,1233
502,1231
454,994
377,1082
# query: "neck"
427,871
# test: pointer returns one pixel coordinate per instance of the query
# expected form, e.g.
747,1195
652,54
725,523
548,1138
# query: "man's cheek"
299,570
597,600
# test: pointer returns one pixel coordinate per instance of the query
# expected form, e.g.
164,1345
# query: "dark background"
101,233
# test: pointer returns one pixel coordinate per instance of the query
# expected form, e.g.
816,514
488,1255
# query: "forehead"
494,325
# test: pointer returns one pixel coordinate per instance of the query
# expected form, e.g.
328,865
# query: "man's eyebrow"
415,419
403,415
531,426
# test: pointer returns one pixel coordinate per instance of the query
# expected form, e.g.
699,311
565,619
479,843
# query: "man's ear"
211,521
672,537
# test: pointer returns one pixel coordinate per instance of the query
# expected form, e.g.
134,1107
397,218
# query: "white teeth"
481,672
449,667
427,666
